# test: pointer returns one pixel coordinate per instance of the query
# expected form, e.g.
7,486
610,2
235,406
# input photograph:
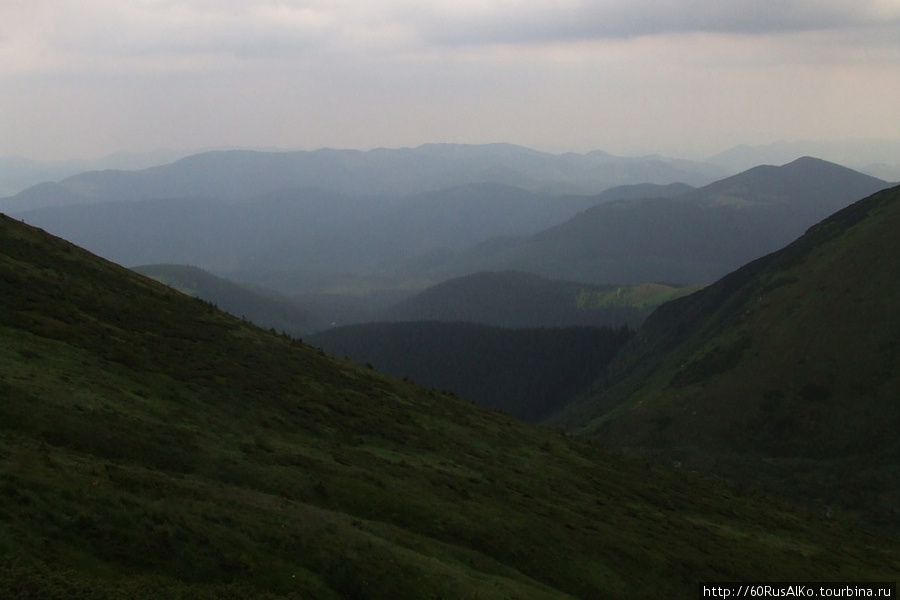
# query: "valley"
447,371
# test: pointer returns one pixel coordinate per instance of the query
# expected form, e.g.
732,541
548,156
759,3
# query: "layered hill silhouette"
266,308
153,446
509,300
307,231
321,241
694,238
241,174
872,156
782,375
18,173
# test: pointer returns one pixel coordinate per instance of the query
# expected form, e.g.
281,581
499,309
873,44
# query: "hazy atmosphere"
688,78
399,299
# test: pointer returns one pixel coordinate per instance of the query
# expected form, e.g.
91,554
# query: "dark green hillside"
516,299
528,373
784,374
263,307
154,447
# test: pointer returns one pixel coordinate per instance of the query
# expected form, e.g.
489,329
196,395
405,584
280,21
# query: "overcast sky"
86,78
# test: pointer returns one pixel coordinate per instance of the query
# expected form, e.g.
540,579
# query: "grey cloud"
611,19
188,29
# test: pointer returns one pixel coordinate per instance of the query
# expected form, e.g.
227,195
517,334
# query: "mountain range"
693,238
308,230
872,157
876,157
19,173
235,175
153,446
325,242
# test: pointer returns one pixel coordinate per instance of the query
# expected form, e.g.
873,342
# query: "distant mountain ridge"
313,240
877,157
304,229
18,173
693,238
240,174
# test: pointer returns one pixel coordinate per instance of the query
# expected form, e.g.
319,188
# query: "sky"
686,78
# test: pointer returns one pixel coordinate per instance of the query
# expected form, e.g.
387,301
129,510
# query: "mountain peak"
812,162
817,181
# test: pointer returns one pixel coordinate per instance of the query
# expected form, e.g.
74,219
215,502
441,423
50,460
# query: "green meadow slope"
262,306
152,446
785,374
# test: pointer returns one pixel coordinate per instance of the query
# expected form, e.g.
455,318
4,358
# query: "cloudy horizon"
683,78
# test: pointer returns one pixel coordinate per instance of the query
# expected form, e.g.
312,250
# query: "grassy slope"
643,296
264,307
783,374
151,446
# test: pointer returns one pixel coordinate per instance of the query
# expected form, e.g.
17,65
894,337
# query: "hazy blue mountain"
644,190
18,173
180,231
40,195
242,174
382,234
693,238
879,158
323,242
309,230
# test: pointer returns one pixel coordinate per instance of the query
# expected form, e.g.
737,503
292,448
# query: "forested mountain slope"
528,373
152,446
784,374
